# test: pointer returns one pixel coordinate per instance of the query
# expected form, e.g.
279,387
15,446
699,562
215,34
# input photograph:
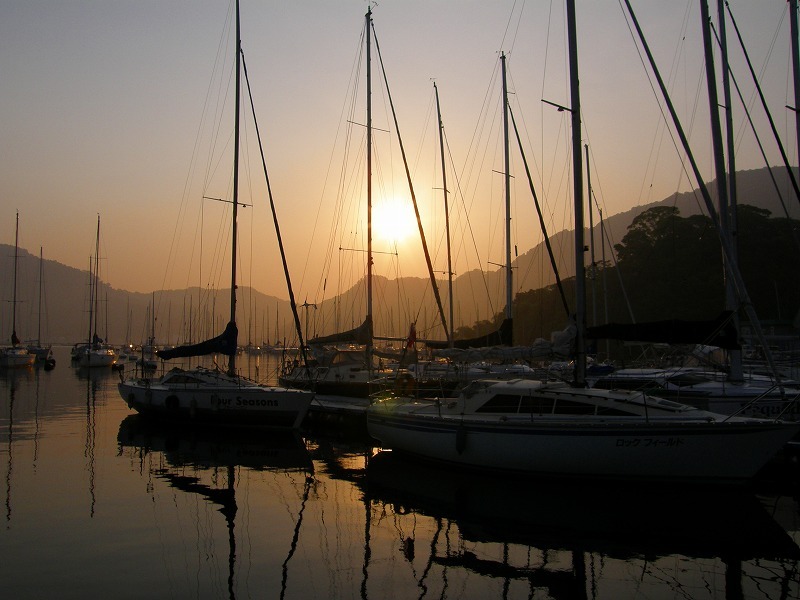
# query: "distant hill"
478,296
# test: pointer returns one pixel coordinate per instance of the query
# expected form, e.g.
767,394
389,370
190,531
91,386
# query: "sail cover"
360,335
499,337
719,332
225,343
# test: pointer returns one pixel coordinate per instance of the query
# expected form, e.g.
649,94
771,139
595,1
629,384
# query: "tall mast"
39,323
507,169
232,356
14,339
728,219
593,272
446,217
795,67
723,207
91,296
577,175
95,292
369,181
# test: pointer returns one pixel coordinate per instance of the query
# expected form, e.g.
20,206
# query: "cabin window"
501,403
536,405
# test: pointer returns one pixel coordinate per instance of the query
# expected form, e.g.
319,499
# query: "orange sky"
103,113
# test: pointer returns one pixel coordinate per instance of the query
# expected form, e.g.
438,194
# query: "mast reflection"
563,530
188,457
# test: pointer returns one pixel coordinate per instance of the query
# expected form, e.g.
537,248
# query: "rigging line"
544,79
760,145
460,194
477,133
541,217
469,167
655,94
182,209
722,233
764,105
275,221
343,128
508,26
411,188
658,136
768,56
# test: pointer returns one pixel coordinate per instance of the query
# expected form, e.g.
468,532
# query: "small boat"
43,354
96,353
756,395
211,396
15,356
554,429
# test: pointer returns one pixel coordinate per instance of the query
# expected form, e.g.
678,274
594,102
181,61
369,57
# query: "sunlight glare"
393,221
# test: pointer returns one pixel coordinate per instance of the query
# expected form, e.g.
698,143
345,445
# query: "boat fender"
461,439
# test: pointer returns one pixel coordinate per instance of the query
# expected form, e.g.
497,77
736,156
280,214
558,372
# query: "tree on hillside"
671,266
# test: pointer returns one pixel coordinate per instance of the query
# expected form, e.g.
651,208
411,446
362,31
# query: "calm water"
99,504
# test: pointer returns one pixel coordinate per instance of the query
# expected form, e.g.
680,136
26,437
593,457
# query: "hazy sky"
102,112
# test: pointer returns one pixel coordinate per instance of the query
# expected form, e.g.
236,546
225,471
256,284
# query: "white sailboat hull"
686,445
97,358
202,396
15,358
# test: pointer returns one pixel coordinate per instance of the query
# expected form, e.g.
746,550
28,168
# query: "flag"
412,336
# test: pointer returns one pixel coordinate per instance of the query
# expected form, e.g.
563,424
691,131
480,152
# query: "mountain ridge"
66,291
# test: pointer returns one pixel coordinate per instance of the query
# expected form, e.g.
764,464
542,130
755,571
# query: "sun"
393,221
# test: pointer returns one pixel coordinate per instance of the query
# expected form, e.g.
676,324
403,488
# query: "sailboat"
95,353
15,355
211,396
44,354
344,371
343,362
148,361
562,430
726,389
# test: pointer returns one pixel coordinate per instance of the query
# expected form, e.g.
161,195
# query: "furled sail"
499,337
225,343
719,332
360,335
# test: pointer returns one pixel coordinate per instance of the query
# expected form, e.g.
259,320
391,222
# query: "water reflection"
142,510
574,540
196,461
12,388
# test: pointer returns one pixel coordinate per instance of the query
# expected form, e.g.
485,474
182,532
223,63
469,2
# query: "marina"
316,358
99,502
